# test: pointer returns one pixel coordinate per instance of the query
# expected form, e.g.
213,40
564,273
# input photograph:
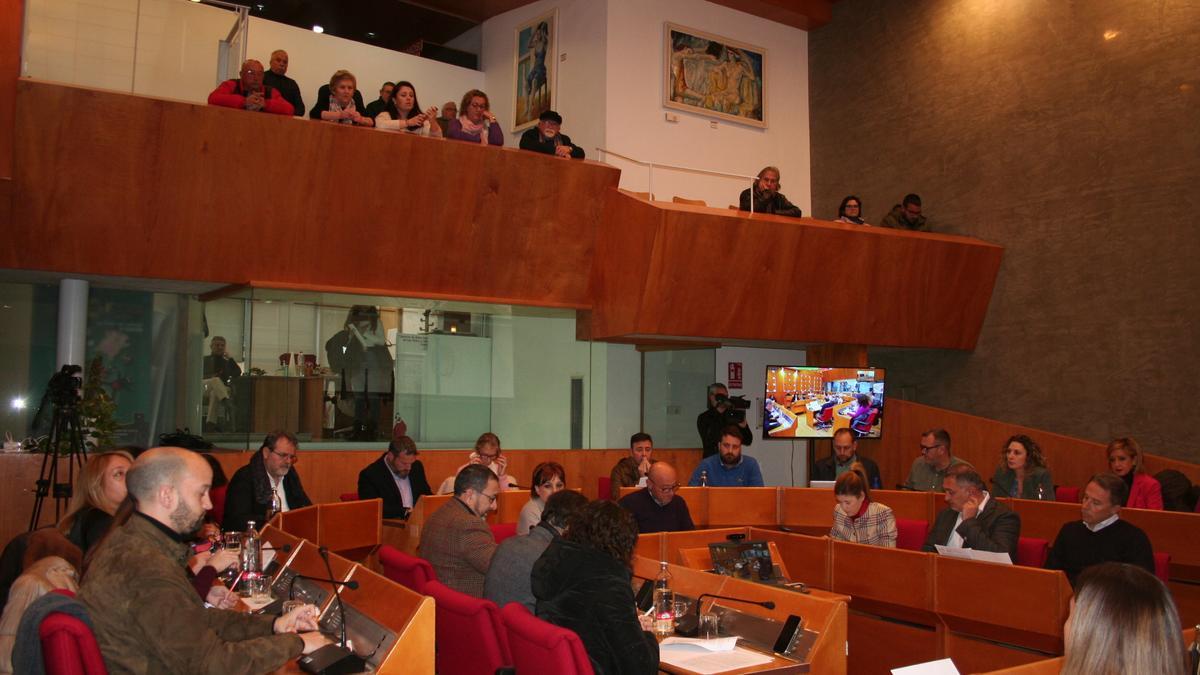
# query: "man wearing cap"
545,138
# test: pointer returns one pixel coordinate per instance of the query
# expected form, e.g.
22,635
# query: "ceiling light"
1111,34
318,29
370,35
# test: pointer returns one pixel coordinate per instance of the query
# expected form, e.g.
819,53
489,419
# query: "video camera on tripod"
735,407
64,441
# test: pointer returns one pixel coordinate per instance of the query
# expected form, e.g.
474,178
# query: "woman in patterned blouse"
856,518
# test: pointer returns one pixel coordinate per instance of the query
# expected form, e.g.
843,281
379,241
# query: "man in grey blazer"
507,579
975,519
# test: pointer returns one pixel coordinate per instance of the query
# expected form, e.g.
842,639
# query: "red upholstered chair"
866,425
604,485
1066,494
1162,566
68,645
502,531
540,647
910,534
409,571
217,495
470,638
1032,552
348,496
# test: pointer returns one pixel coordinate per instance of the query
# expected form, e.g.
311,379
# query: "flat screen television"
815,401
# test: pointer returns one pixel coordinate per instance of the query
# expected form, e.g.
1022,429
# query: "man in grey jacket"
507,579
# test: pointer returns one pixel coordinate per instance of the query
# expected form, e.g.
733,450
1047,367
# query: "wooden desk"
406,534
279,402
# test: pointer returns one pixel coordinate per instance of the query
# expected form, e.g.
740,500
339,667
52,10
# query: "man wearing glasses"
269,476
929,470
657,508
457,540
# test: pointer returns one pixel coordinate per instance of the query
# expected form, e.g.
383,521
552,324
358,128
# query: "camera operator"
722,411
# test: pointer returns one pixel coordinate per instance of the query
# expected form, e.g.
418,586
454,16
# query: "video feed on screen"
814,402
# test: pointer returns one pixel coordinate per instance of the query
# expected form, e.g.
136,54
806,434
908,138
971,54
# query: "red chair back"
866,425
1162,566
1066,494
540,647
408,571
68,646
604,484
825,415
910,534
470,638
1032,551
348,496
502,531
217,495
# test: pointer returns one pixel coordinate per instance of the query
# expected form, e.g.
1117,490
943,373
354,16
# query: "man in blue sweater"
728,468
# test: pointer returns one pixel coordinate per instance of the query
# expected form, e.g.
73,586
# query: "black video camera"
735,412
64,386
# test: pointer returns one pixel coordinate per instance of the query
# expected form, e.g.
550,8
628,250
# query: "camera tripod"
65,430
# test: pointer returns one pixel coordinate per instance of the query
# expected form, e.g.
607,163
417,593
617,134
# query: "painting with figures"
534,67
714,76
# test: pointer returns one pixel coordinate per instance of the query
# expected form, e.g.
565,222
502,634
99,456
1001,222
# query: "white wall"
635,118
581,79
783,462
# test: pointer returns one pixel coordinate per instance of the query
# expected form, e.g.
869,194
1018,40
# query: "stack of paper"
708,656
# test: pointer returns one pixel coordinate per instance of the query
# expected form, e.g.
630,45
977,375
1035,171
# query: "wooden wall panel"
11,28
878,645
204,193
884,287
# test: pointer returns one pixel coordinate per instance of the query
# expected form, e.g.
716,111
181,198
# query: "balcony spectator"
906,215
548,139
277,77
403,113
249,93
476,123
385,96
339,102
850,211
767,197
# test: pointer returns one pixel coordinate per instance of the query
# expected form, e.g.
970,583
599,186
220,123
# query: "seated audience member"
507,579
1101,536
219,373
398,478
857,518
44,575
456,539
249,93
729,467
583,583
850,211
845,455
1178,494
403,113
906,215
146,616
29,547
1125,460
631,471
548,478
276,76
767,197
475,123
99,490
657,508
449,112
487,452
546,139
1122,621
270,473
377,106
1022,472
974,520
929,470
339,102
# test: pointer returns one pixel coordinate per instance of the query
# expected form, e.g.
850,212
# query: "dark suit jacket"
376,482
826,469
996,528
241,505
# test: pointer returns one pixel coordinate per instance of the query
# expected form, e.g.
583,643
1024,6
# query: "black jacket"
826,469
376,482
996,528
589,592
532,140
288,89
776,204
249,495
710,423
322,104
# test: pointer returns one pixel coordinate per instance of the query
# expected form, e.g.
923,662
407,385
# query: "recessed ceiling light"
318,29
370,35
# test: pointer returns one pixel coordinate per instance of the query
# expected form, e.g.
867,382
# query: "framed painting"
714,76
535,69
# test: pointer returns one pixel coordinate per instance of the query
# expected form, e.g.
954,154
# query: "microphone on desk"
689,624
338,658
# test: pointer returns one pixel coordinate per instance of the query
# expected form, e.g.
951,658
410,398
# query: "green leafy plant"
97,410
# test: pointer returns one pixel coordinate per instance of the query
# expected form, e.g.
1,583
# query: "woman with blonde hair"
98,492
856,518
45,575
1125,460
340,102
1122,621
475,123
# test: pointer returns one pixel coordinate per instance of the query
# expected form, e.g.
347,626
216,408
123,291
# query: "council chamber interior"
565,305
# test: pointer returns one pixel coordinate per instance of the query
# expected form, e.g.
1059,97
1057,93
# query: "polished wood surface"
346,526
11,27
166,182
883,287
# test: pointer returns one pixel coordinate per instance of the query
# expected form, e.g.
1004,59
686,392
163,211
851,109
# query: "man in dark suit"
398,478
845,454
457,540
975,519
270,477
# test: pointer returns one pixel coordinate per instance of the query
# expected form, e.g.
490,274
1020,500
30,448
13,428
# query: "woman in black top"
99,490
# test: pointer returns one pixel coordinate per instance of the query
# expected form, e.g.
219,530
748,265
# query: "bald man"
657,508
249,93
145,613
276,77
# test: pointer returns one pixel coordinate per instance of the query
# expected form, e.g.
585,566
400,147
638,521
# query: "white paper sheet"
972,554
724,644
699,660
942,667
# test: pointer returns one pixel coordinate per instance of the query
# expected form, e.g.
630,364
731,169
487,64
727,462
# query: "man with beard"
398,478
267,483
145,613
767,197
728,468
457,540
547,138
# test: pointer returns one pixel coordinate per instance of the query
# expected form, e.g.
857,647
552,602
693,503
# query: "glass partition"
674,393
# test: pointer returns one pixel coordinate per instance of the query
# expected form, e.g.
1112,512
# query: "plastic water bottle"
251,562
664,603
1041,492
703,478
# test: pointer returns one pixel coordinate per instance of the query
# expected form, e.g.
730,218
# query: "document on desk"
699,659
942,667
972,554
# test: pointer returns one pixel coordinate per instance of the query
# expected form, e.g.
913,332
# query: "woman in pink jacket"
1125,460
